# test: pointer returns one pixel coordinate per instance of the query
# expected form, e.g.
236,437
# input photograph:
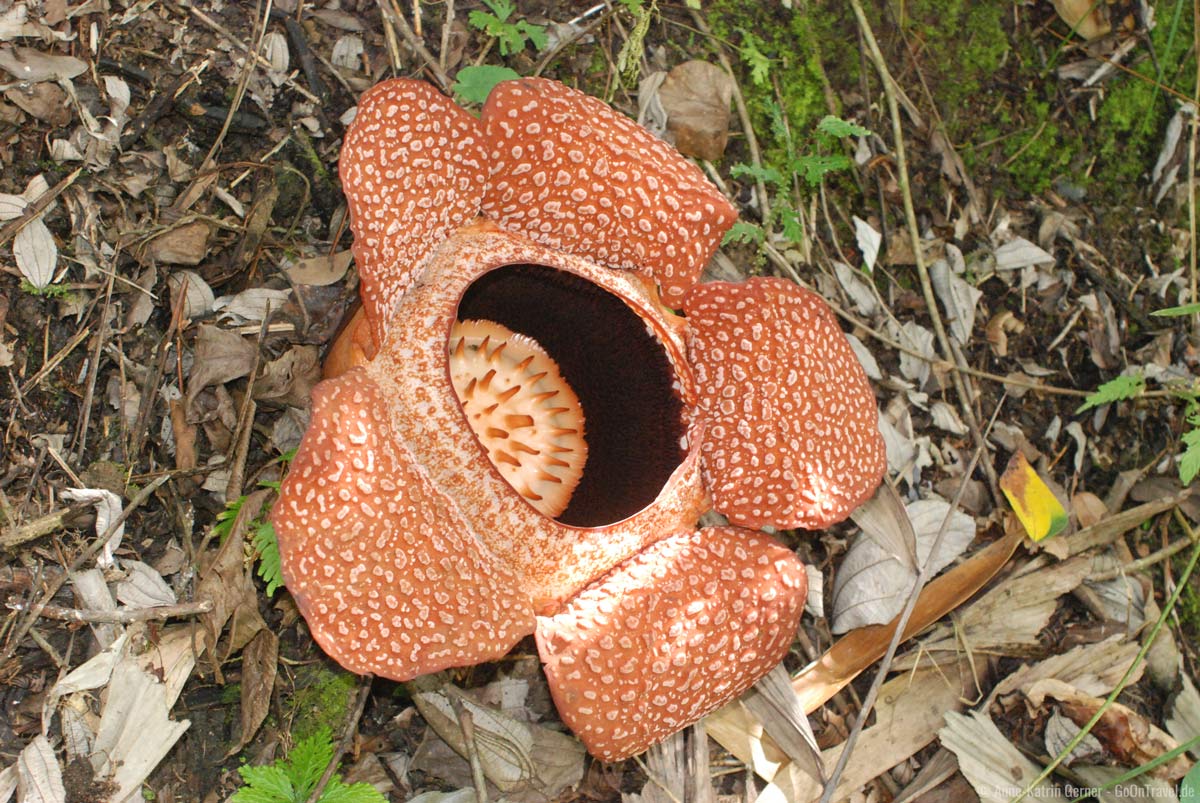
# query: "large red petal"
792,430
387,573
572,174
670,635
412,168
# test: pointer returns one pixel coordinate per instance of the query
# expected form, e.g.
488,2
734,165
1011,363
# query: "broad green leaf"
755,59
744,232
338,792
759,173
1189,461
1189,787
474,84
501,8
815,168
269,566
1040,512
837,127
264,785
1172,312
1123,387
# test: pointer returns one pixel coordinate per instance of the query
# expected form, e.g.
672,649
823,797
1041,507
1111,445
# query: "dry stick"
447,22
119,617
36,207
1192,171
54,585
1167,607
764,205
339,750
94,369
392,14
1158,556
43,525
196,188
253,53
54,361
902,622
914,233
467,722
245,419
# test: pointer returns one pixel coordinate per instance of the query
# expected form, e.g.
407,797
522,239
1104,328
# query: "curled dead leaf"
696,96
998,329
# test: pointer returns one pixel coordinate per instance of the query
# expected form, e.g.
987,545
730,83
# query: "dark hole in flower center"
618,370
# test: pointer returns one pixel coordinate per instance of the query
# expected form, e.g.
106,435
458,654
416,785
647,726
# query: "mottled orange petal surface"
388,574
412,168
792,430
571,173
671,634
553,560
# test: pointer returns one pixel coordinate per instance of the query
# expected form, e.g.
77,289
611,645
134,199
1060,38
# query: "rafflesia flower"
529,433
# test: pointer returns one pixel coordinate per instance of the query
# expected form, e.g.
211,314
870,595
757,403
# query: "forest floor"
174,262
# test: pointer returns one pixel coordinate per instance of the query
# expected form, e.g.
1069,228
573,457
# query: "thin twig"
396,17
343,745
910,605
85,418
52,363
43,525
54,585
36,207
910,214
764,203
122,616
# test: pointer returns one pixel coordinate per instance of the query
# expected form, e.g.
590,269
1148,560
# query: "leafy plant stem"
739,101
1167,607
910,215
354,715
1192,173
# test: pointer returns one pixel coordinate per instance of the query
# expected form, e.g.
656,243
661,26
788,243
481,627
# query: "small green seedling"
293,779
1125,387
511,36
783,179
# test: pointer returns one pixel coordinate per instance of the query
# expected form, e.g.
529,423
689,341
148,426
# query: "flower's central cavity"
564,335
521,409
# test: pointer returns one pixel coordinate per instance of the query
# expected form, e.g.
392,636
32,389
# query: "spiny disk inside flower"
521,409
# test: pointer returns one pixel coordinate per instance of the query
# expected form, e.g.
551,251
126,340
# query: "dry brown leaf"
696,96
190,289
45,101
225,580
1088,18
998,329
27,64
996,768
39,778
516,756
260,663
872,585
182,245
221,356
320,270
290,378
1090,668
1128,736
